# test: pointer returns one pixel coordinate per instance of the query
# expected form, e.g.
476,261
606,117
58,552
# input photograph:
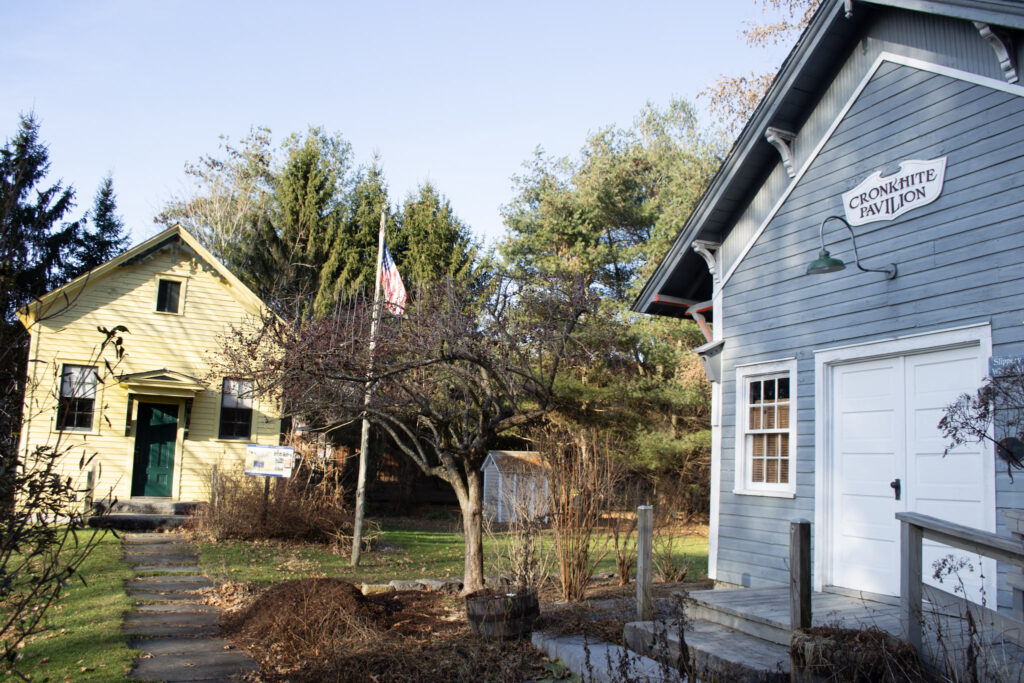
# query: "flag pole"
364,439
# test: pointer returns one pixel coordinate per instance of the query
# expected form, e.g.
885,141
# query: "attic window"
168,296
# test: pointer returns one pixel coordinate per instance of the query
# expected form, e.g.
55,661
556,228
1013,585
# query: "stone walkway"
175,633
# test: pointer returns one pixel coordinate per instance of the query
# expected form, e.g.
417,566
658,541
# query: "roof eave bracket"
782,141
1003,47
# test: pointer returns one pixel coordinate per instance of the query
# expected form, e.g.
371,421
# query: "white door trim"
824,361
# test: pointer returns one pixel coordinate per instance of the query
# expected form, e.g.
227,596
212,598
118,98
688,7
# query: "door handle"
895,486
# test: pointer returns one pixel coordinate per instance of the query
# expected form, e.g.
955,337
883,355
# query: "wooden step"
732,611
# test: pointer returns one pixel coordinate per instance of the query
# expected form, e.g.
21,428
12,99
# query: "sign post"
267,462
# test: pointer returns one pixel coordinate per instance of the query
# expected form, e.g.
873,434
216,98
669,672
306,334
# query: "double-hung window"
77,397
236,408
766,429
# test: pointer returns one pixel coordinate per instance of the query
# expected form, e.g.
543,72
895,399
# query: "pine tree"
36,248
107,239
434,244
351,262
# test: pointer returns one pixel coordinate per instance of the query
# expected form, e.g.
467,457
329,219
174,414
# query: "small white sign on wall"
269,461
916,184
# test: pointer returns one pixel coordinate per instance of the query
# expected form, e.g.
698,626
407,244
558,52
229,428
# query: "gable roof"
66,294
806,73
521,462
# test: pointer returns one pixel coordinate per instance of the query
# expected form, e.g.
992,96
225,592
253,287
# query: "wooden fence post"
644,537
910,583
799,574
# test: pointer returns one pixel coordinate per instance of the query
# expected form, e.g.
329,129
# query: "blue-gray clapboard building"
901,122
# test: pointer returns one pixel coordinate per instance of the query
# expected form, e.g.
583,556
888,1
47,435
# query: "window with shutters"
766,429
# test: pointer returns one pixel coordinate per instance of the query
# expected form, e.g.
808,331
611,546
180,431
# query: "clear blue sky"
459,93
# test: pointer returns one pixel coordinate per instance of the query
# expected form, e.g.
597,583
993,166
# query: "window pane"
772,471
757,471
236,408
755,393
783,388
769,417
78,381
755,417
784,471
783,413
769,390
167,294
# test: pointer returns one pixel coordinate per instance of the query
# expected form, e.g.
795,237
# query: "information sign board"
269,461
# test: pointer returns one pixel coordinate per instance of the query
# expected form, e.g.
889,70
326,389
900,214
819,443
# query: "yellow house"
158,420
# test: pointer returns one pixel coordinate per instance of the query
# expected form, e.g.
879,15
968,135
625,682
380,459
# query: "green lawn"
83,641
404,552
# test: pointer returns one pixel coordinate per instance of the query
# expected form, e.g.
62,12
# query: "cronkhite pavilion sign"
877,198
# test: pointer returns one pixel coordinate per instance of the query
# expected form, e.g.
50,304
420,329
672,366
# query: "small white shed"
515,484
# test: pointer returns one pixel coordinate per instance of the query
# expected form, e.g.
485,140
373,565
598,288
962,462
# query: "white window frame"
97,399
183,281
744,374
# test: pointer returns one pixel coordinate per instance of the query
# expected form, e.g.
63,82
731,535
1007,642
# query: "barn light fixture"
825,263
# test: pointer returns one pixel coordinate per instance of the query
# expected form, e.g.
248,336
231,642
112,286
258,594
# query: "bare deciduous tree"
451,375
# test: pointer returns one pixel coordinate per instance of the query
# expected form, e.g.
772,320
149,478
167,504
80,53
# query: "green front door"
155,435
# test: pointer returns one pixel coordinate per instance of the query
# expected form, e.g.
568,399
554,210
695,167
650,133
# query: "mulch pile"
327,630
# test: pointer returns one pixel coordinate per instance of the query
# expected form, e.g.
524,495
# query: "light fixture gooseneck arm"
890,271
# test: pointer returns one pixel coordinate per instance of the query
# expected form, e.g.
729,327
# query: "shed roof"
519,462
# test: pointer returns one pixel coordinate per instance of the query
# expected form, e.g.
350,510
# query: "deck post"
644,539
799,574
910,583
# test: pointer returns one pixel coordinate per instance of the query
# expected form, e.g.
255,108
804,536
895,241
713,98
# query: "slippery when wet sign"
882,198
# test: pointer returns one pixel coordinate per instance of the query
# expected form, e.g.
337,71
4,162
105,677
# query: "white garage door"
884,436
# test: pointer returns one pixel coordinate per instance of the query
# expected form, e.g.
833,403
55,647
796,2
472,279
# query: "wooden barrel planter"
503,616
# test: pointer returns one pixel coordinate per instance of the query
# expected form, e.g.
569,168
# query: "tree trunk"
472,526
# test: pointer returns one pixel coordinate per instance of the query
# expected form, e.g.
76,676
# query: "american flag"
391,283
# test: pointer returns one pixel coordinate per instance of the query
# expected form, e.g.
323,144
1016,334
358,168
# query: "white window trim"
181,294
97,407
746,372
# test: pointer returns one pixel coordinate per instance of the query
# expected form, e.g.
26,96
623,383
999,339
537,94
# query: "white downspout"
709,251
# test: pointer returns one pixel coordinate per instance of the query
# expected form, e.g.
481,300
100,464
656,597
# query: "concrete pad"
714,649
178,607
169,569
180,646
606,660
193,667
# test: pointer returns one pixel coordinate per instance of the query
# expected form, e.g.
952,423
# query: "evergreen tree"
36,249
107,239
308,207
433,244
352,260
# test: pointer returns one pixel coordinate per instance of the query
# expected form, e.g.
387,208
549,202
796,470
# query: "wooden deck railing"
914,528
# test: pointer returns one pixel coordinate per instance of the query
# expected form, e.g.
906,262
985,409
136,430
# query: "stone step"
715,651
169,568
146,539
199,666
170,558
160,584
149,506
180,607
138,522
179,646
